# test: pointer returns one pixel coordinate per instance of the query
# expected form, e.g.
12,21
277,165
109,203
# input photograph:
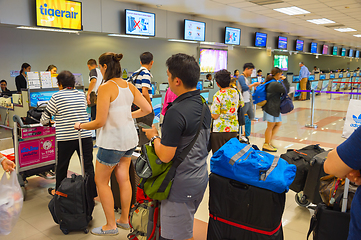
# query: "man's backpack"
260,94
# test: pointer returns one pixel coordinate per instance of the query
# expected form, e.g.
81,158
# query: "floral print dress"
225,104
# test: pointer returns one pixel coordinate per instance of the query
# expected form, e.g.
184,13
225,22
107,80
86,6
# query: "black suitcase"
73,203
241,211
312,184
301,158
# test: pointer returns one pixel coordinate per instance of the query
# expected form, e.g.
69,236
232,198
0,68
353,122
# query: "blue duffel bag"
240,162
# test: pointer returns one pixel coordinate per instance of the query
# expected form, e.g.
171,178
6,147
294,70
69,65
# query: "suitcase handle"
239,185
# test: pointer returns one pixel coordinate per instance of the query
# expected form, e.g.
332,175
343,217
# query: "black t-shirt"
180,126
20,82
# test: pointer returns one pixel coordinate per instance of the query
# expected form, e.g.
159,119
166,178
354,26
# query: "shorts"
177,219
112,157
269,118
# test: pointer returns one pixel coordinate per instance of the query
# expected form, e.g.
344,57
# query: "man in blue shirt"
304,74
343,161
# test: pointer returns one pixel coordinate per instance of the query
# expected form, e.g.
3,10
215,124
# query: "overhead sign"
59,14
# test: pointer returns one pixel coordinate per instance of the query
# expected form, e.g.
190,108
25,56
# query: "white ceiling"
343,12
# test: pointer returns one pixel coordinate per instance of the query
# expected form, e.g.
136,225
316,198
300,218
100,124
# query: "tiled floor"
36,222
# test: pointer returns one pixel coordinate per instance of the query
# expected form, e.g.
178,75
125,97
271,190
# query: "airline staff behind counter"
20,81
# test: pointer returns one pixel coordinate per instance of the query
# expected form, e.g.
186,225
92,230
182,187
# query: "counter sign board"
59,14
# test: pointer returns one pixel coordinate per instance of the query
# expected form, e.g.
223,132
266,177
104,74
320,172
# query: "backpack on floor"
260,94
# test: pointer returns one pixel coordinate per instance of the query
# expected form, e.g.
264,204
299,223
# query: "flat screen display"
311,77
233,36
350,53
299,45
194,30
59,14
343,52
340,75
348,75
295,78
325,49
322,76
334,50
213,60
357,54
139,23
332,76
314,47
260,39
281,61
282,42
200,85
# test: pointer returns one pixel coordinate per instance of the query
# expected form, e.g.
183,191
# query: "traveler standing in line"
180,126
224,111
143,83
345,161
52,69
117,139
303,75
20,80
68,106
95,79
245,88
272,110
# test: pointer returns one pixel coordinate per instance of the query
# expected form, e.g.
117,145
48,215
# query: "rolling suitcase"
241,211
73,203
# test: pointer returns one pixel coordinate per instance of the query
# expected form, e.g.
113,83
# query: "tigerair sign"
59,14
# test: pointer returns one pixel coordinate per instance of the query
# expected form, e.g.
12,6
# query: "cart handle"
18,120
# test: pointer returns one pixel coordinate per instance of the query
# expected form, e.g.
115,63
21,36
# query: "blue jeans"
247,126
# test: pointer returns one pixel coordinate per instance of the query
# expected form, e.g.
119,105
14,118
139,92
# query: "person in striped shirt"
68,106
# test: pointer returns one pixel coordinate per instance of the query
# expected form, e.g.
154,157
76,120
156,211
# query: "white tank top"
118,132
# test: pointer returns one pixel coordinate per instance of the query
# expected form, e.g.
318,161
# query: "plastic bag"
11,202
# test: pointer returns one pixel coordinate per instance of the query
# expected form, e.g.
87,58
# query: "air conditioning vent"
265,2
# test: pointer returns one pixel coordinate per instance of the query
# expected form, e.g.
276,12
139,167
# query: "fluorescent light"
357,35
182,41
292,10
48,29
126,36
321,21
345,29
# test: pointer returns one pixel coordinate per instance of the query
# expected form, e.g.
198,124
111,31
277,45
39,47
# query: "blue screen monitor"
194,30
282,42
332,76
200,85
295,79
139,23
314,47
299,45
340,75
261,39
311,77
350,53
154,88
334,50
233,36
348,75
254,80
322,76
343,52
357,55
355,74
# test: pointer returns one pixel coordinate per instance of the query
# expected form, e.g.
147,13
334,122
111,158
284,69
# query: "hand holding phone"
143,125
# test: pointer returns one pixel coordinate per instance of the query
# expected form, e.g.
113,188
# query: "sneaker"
268,148
100,232
243,139
271,144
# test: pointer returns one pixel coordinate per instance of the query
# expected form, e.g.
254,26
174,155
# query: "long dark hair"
51,66
24,65
114,69
274,71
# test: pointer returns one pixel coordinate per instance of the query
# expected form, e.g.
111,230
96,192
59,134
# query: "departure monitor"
232,36
325,49
314,47
282,42
350,53
281,61
334,50
139,23
343,52
299,45
213,60
260,39
194,30
357,55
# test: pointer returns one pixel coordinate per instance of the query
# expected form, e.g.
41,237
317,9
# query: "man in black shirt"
180,126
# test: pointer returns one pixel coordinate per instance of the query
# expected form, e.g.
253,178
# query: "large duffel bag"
241,162
241,211
301,158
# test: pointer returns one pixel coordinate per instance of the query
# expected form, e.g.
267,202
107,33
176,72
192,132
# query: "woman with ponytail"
116,139
20,80
271,110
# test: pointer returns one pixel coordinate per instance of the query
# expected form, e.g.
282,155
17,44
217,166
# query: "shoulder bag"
286,102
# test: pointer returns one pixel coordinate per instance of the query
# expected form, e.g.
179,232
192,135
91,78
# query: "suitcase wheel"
65,231
86,231
301,200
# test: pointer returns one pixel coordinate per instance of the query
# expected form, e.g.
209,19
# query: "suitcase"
73,203
241,211
312,184
331,223
134,181
301,158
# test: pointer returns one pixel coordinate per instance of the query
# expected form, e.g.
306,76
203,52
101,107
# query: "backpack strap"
133,78
182,156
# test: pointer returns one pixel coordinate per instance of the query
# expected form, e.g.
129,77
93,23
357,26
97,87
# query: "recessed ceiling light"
292,10
345,29
357,35
321,21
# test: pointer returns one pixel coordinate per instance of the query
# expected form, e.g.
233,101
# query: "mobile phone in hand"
143,125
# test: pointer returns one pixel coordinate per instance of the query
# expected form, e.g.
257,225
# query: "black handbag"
286,102
33,115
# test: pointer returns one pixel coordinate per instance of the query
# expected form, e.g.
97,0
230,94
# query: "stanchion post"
255,108
312,125
331,89
358,87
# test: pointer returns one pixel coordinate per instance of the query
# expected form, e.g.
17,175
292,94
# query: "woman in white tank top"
117,139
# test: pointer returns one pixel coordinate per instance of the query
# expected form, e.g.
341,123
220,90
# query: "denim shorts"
269,118
112,157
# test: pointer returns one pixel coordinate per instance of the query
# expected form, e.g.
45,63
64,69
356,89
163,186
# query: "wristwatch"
154,137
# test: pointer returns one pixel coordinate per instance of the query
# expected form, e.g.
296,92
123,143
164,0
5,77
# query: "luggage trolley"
35,150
